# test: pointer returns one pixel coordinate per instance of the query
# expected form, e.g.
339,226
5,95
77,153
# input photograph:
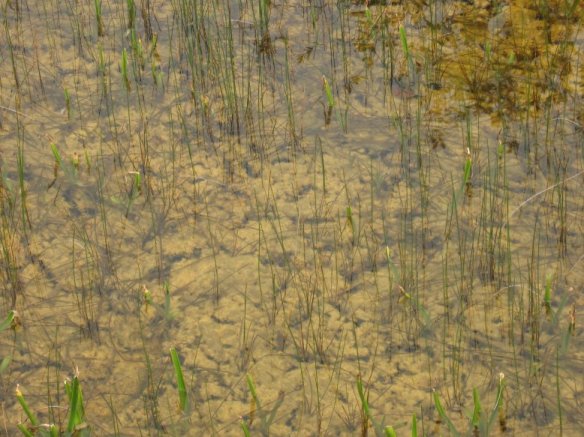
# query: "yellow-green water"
304,244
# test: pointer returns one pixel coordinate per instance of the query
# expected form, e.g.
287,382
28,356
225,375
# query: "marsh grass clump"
480,422
75,421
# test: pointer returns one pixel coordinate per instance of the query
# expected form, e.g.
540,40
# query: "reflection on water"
312,193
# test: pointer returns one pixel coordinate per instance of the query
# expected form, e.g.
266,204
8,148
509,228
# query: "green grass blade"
57,155
180,382
329,93
24,430
476,415
4,364
349,215
547,296
74,405
407,54
131,8
245,429
20,397
414,426
379,430
124,68
443,415
404,41
168,314
498,402
252,390
467,171
572,7
7,322
364,402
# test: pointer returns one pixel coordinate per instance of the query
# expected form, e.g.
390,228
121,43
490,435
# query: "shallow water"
303,241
